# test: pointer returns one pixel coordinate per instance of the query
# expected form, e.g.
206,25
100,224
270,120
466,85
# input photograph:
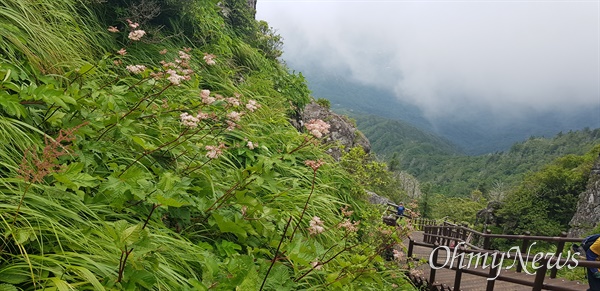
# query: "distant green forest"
475,131
435,160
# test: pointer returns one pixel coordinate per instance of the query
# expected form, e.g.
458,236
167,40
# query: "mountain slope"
146,145
390,137
475,130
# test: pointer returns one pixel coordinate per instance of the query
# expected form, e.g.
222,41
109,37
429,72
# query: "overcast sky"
448,56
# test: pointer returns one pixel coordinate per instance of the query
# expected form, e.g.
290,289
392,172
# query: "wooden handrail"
455,235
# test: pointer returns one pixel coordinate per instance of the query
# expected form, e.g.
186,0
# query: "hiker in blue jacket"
400,209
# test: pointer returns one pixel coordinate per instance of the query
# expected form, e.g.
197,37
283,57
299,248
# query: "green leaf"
61,285
14,276
132,234
87,69
88,276
172,202
73,178
7,287
226,225
11,105
228,249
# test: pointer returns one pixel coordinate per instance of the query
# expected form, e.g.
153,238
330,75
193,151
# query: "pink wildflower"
345,211
206,99
252,145
231,125
233,101
189,120
317,127
174,78
122,51
252,105
215,151
316,265
132,24
162,52
204,93
202,115
184,56
136,69
234,115
316,226
136,34
315,165
113,29
348,225
209,59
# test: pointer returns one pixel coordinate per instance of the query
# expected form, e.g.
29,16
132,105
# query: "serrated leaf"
168,201
226,225
7,287
87,69
132,234
10,104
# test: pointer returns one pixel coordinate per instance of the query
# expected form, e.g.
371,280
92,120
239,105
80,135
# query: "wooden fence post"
540,274
433,262
487,240
524,246
492,274
458,274
559,248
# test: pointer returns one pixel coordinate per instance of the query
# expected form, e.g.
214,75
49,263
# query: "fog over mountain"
468,66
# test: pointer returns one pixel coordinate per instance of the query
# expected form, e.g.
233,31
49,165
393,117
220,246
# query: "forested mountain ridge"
436,161
475,132
389,137
147,145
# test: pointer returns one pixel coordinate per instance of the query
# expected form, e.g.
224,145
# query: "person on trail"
591,246
400,209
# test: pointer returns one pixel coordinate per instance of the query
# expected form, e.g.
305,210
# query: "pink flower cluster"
317,127
215,151
397,255
315,165
179,70
346,212
252,105
136,69
316,226
209,59
316,264
349,225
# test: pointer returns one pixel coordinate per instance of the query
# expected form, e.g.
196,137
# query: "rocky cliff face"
587,215
342,133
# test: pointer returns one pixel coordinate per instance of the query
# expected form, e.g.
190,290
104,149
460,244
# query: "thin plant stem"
312,189
276,253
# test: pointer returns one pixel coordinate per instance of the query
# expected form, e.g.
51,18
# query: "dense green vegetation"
146,145
546,200
434,160
392,137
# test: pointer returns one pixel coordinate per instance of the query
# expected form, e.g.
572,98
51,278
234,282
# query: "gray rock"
343,135
587,215
376,199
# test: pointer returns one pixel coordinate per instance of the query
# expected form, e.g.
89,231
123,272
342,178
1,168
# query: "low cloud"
448,57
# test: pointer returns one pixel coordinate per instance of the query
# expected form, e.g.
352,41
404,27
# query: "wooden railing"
452,236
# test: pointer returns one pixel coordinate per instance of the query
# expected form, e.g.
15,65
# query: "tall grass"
50,35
